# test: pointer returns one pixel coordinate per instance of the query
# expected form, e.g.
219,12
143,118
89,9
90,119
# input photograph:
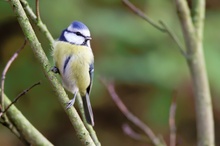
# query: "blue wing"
91,72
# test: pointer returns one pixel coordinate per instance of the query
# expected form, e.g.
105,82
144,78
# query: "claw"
55,70
71,102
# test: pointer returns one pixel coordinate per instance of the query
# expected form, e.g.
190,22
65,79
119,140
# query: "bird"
74,61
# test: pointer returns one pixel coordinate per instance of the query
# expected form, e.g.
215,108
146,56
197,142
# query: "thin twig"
142,15
162,28
18,96
21,127
175,39
37,10
131,133
136,121
42,27
15,55
172,120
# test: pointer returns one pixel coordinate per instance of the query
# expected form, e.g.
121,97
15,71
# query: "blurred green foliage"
144,63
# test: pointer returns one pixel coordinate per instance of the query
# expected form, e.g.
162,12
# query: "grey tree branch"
44,29
49,37
193,34
8,120
28,31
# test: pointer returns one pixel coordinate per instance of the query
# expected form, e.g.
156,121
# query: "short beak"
88,38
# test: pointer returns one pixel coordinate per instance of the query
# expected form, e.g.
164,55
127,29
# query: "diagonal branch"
18,97
175,39
49,37
142,15
28,31
136,121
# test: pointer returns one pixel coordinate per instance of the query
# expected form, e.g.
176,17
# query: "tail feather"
88,110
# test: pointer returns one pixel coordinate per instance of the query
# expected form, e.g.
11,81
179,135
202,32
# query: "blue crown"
78,25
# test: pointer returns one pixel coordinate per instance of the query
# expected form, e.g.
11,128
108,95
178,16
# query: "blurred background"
144,63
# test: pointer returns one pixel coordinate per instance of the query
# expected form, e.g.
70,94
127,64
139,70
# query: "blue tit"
74,61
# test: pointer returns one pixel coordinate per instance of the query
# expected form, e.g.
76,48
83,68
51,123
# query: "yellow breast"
77,71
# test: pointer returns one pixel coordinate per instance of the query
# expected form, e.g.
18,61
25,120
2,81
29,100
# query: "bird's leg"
72,101
55,70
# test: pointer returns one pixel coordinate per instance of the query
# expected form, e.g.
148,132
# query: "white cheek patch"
85,32
73,38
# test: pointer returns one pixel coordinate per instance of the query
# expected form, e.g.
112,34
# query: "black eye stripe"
77,33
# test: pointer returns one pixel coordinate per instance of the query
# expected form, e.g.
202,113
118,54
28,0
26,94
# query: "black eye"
78,33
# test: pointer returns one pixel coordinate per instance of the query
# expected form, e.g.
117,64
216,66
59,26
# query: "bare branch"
42,27
136,121
14,56
193,35
9,124
18,97
142,15
40,55
162,28
21,127
172,120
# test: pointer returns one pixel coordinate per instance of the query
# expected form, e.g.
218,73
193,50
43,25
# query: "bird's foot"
71,102
55,70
